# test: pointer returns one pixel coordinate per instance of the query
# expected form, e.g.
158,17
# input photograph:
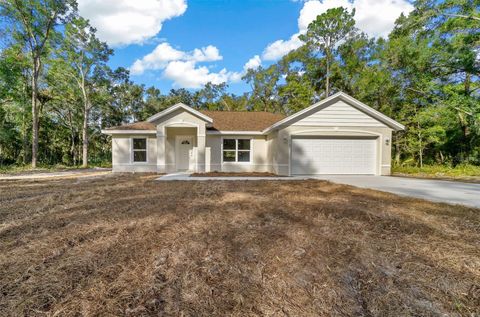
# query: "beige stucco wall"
122,154
259,154
283,138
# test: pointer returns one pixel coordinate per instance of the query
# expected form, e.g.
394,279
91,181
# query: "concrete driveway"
434,190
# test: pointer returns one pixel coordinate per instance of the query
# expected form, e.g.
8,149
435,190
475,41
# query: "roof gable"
363,112
338,113
182,107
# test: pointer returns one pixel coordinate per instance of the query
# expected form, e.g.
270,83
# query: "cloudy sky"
185,44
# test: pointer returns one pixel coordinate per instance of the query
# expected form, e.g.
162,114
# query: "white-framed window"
236,150
139,149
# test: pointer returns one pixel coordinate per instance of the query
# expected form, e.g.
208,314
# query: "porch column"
161,167
201,153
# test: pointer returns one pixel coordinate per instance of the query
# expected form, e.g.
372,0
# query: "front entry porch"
184,150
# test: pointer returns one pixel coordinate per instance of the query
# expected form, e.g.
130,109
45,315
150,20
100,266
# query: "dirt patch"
126,245
233,174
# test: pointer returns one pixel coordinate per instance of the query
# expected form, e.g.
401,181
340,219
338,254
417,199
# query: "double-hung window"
139,150
236,150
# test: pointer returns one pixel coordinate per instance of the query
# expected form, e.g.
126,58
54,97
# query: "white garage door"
312,156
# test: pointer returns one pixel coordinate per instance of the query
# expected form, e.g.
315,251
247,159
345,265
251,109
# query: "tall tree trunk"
467,84
35,114
420,147
86,112
24,137
72,137
327,80
397,152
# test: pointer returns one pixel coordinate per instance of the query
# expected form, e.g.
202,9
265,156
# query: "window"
236,150
139,150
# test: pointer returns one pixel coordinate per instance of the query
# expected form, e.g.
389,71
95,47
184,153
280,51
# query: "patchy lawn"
125,245
462,173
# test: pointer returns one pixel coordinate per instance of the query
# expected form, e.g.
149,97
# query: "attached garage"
337,135
333,155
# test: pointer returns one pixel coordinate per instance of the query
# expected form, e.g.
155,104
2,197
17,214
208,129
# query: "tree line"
57,91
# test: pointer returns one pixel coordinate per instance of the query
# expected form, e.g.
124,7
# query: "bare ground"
125,245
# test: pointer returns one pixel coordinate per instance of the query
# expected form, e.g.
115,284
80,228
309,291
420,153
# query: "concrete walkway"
434,190
184,176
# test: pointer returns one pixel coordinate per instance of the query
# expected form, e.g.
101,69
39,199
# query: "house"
338,135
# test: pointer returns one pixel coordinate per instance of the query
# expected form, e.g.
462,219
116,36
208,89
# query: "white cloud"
279,48
164,53
374,17
253,63
157,59
206,54
123,22
181,67
186,74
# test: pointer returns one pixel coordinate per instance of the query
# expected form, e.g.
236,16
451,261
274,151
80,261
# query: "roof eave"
125,131
224,132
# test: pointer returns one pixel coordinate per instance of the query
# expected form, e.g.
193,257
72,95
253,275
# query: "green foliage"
325,32
264,83
439,170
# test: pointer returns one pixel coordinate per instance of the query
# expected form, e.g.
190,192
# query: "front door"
183,145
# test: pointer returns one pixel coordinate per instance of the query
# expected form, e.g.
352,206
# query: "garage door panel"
333,156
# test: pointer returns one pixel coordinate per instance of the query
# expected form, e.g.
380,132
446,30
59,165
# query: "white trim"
132,151
235,132
181,124
351,101
180,106
236,151
110,132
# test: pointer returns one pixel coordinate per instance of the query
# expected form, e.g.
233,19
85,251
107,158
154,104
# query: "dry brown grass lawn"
126,245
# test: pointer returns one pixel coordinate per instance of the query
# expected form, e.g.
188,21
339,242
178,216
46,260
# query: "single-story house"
338,135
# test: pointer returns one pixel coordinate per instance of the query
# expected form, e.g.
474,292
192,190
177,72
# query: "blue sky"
184,44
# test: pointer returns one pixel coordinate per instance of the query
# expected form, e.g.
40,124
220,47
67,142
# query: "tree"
14,66
264,83
326,32
433,57
33,24
82,53
211,96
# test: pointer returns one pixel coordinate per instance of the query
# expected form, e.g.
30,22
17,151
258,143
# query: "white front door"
183,145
